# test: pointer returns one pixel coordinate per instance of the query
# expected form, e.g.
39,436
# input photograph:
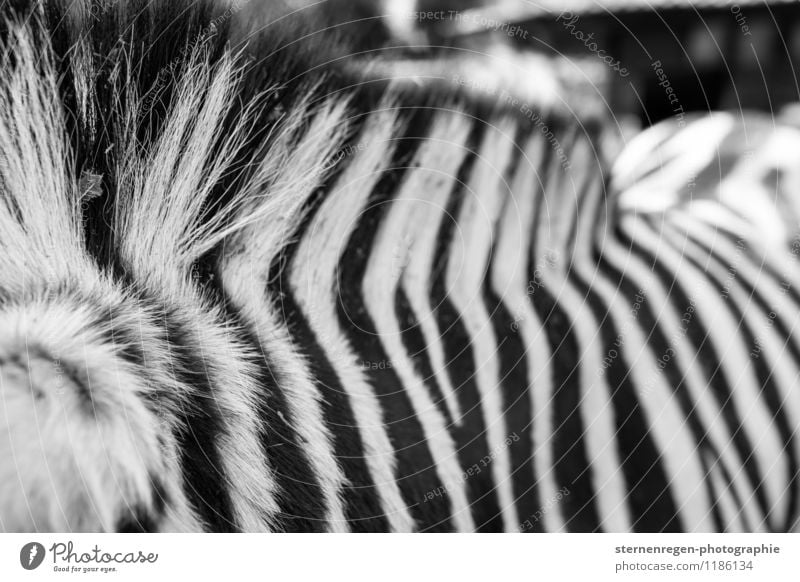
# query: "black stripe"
765,268
716,511
361,499
766,382
470,434
648,494
569,449
697,333
200,424
414,342
360,495
204,483
416,471
513,360
659,345
724,398
141,519
127,344
571,462
299,494
517,409
753,292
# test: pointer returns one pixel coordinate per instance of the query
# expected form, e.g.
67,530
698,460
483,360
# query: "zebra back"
251,284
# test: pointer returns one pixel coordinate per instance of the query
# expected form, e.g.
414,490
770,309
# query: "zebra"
249,284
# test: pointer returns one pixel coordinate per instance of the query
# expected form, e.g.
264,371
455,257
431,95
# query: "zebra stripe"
468,430
467,269
758,434
274,295
391,286
309,478
313,282
506,295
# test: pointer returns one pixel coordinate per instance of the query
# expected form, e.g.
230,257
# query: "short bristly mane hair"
141,79
141,140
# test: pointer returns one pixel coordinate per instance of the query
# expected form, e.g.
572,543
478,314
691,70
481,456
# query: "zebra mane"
175,119
146,145
256,275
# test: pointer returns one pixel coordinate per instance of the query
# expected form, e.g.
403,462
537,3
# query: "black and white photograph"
400,266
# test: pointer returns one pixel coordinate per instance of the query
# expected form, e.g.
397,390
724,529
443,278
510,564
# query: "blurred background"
712,54
643,60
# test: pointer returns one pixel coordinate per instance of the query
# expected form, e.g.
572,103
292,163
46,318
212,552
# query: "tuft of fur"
127,134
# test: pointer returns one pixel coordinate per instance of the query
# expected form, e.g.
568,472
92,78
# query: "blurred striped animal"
249,284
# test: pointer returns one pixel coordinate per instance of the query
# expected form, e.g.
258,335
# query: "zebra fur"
244,288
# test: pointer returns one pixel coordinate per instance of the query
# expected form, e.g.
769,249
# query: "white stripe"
748,399
665,418
425,186
732,514
541,362
559,211
313,280
510,281
469,254
426,199
591,226
290,370
258,245
735,365
783,368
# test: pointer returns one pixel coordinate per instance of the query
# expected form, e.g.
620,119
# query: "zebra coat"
245,286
